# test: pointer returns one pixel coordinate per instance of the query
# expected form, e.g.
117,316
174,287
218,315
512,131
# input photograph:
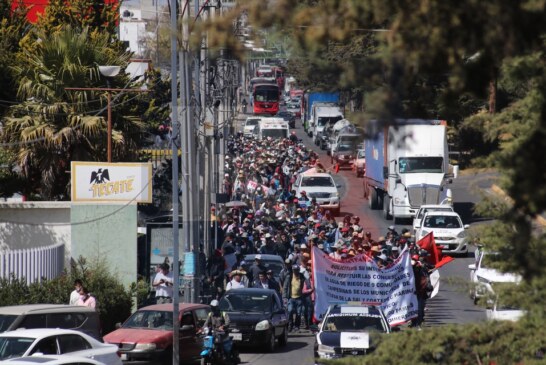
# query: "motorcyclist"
217,319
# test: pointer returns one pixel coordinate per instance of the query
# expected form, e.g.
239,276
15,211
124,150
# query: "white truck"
323,117
271,127
407,166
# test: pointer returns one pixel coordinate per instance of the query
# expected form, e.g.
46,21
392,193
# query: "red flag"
435,256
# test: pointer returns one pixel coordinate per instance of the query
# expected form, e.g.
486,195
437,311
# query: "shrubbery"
114,301
486,343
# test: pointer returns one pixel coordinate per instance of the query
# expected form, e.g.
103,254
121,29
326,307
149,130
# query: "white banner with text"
360,280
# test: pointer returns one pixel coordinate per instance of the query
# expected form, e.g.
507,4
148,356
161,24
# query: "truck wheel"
373,199
386,207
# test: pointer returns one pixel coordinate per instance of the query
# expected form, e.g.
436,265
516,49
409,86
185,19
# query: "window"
66,320
14,346
34,321
6,321
187,319
46,346
420,164
72,343
202,315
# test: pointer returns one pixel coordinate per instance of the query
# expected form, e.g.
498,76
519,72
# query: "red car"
147,336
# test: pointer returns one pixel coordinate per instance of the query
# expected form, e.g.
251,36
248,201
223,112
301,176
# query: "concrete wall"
34,224
107,232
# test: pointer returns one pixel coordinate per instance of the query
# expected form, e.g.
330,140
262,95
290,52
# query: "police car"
349,330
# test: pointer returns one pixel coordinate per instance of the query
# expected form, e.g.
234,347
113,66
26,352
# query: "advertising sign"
111,182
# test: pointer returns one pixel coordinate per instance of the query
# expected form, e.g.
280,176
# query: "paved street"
451,305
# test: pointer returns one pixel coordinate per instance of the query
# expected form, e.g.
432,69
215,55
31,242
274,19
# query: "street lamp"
109,72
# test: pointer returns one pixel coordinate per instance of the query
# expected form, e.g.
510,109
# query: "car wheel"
270,347
373,199
283,340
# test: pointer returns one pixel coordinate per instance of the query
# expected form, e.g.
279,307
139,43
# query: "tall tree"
53,126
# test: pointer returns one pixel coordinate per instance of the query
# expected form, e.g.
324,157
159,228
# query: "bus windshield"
421,164
266,94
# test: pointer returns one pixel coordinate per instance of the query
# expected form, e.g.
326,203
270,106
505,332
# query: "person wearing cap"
255,269
337,254
274,284
263,281
163,284
217,320
381,260
236,280
269,248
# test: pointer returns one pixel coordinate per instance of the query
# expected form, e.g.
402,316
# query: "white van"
271,127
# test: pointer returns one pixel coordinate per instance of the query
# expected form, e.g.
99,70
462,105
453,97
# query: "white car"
483,277
428,208
448,229
320,186
500,312
53,360
48,341
250,124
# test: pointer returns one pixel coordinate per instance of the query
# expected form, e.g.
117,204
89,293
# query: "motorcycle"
218,349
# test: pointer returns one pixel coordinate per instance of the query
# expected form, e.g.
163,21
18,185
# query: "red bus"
265,98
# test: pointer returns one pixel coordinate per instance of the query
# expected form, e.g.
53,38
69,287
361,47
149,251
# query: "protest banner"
360,280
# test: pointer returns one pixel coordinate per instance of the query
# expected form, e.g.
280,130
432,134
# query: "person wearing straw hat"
236,282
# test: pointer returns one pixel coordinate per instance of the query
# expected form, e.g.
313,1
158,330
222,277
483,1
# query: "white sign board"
361,280
111,182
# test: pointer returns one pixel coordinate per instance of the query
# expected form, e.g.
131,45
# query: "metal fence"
33,264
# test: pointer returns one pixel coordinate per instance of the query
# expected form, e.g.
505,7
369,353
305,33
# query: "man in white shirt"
235,282
163,284
75,295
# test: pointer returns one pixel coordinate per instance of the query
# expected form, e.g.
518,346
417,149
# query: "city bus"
265,99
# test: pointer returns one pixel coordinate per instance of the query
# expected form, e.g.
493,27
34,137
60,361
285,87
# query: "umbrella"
235,204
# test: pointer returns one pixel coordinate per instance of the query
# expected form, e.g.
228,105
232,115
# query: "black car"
289,117
257,317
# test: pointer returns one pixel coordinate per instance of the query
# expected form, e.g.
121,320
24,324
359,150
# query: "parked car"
429,208
74,317
53,360
448,229
349,330
322,187
147,336
359,163
289,117
293,107
47,341
483,276
500,312
269,262
257,317
250,124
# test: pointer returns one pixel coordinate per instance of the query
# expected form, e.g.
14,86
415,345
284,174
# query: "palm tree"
53,126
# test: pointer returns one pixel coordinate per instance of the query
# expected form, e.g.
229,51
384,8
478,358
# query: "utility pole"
175,143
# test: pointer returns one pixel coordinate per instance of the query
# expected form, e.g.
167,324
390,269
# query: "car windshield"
246,302
442,221
420,164
251,122
345,147
274,266
317,181
150,319
322,121
14,346
425,210
6,321
488,259
353,323
361,154
275,133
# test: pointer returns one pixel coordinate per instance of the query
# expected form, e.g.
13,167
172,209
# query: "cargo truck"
407,165
309,99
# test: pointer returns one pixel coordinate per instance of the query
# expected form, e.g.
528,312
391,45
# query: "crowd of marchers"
265,217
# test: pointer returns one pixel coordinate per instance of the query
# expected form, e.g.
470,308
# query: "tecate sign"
111,182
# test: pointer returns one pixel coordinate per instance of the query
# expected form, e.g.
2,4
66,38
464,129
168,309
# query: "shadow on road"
290,346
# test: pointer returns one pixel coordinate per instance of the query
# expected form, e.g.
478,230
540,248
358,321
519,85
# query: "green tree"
53,126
